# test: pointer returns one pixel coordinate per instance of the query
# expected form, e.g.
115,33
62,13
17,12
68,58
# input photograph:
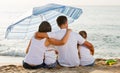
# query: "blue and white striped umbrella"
26,27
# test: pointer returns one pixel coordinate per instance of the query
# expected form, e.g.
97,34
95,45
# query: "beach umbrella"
28,25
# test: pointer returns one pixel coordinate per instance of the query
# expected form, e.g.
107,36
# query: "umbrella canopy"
27,26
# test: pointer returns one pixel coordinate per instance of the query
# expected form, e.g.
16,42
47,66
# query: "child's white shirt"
50,55
85,56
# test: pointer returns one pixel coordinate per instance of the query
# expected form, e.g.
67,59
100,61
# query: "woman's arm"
41,35
59,42
28,47
78,48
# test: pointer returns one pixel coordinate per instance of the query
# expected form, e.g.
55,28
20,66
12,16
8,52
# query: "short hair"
61,20
83,34
45,27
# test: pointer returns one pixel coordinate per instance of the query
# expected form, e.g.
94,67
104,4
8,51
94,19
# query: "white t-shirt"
50,56
68,53
86,57
36,52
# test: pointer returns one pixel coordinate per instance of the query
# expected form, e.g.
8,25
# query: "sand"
100,67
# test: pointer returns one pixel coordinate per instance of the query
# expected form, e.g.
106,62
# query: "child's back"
85,56
50,57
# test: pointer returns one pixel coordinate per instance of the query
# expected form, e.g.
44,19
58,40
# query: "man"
68,53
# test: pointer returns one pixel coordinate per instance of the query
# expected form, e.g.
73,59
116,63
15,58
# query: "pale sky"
9,7
14,5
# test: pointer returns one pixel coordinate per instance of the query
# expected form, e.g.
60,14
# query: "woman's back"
36,52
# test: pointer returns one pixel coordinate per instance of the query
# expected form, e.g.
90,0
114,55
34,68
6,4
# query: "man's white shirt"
68,53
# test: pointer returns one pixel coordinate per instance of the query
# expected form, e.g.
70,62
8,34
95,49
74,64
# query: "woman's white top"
50,55
36,52
86,57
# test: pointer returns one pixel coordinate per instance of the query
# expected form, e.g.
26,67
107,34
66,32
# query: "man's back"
68,53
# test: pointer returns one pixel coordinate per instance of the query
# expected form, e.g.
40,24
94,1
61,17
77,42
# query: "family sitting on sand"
63,47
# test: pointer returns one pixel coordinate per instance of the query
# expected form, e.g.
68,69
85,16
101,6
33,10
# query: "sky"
9,7
18,5
10,10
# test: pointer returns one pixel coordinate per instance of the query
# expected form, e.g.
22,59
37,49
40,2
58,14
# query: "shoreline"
8,60
15,66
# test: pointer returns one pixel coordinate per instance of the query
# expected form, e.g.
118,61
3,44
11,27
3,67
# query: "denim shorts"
91,64
53,65
27,66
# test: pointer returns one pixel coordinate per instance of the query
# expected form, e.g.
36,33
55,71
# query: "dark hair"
83,34
61,20
45,27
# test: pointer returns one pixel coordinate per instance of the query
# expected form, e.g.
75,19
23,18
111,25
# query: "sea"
102,24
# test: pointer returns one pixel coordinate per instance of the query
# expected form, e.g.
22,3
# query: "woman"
37,47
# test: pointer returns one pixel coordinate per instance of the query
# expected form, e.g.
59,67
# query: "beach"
15,66
102,25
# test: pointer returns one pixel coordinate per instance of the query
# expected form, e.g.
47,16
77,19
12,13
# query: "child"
86,54
51,57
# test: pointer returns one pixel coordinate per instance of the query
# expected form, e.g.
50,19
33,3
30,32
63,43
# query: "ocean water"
102,24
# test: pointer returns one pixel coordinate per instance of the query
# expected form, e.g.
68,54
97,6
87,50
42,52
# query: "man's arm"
59,42
90,46
41,35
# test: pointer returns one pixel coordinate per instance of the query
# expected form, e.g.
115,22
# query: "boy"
86,54
51,57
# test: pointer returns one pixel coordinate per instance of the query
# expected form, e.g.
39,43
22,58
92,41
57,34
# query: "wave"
7,51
